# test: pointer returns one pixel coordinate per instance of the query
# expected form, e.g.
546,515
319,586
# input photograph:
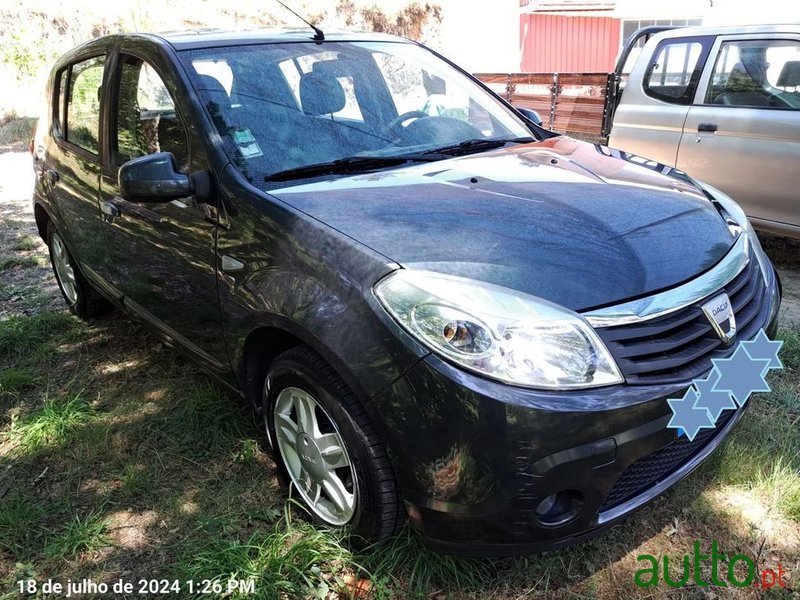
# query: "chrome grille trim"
677,298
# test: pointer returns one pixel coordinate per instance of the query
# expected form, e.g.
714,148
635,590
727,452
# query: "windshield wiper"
352,164
477,145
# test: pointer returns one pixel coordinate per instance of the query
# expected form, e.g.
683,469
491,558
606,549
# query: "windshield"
283,107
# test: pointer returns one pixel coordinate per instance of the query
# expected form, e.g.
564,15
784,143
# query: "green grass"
23,336
136,480
21,523
202,423
13,380
80,534
297,560
247,452
790,354
411,566
22,262
55,424
24,243
763,452
186,464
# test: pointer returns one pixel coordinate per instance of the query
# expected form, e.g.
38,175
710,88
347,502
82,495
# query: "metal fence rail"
568,102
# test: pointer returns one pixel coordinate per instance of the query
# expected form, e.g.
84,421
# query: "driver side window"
146,119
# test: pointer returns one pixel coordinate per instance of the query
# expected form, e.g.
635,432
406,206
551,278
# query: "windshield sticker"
246,142
243,136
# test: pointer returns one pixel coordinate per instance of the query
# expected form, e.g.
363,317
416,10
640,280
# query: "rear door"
73,164
164,252
742,134
649,119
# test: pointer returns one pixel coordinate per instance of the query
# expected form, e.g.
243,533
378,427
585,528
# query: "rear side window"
673,74
60,94
757,73
83,104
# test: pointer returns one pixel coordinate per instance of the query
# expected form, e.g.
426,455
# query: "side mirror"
153,178
530,114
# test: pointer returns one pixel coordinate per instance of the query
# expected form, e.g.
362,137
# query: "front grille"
649,470
679,347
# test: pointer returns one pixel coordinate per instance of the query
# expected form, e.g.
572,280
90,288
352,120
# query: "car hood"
574,223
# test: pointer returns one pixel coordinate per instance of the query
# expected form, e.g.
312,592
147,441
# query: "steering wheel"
400,119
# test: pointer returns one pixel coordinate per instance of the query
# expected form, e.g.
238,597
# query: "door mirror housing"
530,114
153,178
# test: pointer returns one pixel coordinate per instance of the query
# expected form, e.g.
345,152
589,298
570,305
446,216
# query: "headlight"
497,332
737,214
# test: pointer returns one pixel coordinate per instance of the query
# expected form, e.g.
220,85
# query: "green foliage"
295,561
78,535
25,242
14,380
135,479
18,51
790,353
13,262
16,130
203,423
409,21
21,523
420,571
21,336
55,423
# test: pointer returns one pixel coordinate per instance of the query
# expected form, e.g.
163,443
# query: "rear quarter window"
675,69
83,103
59,101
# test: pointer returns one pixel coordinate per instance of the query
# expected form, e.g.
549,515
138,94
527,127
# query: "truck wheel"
82,299
327,447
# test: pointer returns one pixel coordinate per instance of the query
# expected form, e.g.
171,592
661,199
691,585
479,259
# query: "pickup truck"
721,104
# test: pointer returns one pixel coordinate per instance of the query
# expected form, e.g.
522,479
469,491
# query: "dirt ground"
27,290
23,290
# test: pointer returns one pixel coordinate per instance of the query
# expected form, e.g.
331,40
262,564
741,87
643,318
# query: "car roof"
211,38
220,37
728,30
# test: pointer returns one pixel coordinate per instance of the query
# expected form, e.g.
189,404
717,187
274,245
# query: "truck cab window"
757,73
673,74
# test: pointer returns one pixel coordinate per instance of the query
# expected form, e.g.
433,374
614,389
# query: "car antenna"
318,35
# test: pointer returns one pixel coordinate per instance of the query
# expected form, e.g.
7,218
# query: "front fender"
308,280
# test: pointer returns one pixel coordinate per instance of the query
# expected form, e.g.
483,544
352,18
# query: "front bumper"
479,462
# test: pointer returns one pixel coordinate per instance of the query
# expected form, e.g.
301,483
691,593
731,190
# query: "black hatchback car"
442,311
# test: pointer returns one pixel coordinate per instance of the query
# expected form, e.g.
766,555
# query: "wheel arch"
260,349
266,342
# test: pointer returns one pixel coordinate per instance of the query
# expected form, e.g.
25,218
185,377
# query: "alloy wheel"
315,456
64,270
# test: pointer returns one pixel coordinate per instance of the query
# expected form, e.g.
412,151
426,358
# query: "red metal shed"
568,44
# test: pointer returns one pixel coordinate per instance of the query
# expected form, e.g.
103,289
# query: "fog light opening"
559,508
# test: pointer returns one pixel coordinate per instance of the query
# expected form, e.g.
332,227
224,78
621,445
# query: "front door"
650,116
164,252
742,135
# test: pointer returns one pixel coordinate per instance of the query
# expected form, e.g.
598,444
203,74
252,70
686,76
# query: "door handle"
707,128
109,209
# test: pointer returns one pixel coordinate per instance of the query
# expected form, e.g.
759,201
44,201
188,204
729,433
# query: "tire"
81,298
366,477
